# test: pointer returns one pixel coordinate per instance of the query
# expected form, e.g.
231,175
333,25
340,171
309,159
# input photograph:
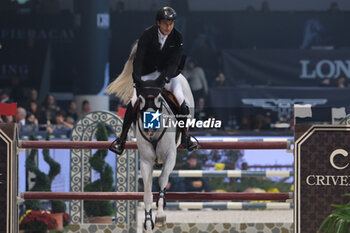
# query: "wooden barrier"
132,145
229,196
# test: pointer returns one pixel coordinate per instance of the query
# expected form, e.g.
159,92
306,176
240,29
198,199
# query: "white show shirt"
161,38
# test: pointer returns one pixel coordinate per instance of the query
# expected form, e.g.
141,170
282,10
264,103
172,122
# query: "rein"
153,142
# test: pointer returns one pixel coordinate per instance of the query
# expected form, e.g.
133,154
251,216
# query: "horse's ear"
158,101
141,102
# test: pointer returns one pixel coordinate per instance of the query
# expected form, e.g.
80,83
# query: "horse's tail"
122,86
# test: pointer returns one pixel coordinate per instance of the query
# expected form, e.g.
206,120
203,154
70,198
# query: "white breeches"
173,86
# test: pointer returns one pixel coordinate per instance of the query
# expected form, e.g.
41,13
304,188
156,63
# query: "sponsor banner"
322,168
270,97
229,104
285,67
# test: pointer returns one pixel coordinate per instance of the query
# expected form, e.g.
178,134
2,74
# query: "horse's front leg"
168,166
146,172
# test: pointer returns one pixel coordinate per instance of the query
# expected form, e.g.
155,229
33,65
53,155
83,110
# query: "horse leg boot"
118,145
186,141
161,203
148,217
169,164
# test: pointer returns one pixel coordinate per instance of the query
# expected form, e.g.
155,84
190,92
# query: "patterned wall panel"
126,166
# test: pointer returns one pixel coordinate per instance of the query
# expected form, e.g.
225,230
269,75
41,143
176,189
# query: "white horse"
156,146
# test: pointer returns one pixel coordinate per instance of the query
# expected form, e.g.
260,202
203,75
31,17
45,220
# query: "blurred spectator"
220,80
197,80
33,96
49,108
17,92
244,166
60,126
261,122
265,7
21,118
34,108
334,8
85,108
325,82
60,121
72,113
197,184
246,123
9,119
341,82
200,110
32,123
5,97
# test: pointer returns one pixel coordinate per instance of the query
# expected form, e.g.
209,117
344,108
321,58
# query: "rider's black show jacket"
149,57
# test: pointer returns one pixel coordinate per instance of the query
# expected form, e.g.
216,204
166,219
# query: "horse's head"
150,98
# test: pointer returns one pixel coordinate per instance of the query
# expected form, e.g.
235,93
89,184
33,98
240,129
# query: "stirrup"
117,146
148,216
162,195
189,144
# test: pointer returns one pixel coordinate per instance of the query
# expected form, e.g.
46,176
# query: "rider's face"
165,26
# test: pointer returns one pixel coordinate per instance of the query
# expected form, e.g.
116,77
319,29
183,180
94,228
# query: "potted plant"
43,183
37,221
100,211
338,221
58,212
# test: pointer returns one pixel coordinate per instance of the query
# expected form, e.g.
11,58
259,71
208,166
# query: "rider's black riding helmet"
166,13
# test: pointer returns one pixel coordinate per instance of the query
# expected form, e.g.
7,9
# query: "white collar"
161,38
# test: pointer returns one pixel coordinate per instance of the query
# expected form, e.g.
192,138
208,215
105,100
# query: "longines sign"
325,69
297,67
322,168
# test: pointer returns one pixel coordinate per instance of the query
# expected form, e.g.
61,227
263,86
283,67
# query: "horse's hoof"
160,221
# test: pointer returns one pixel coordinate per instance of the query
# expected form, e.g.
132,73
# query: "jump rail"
170,196
228,205
225,173
132,145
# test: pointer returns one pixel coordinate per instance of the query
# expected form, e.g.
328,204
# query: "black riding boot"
186,141
118,145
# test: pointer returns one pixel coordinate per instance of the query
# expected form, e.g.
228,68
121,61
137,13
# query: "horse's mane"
122,86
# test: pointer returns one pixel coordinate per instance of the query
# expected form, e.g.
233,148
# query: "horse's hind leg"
146,172
168,166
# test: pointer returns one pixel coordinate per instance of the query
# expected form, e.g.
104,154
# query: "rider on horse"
158,56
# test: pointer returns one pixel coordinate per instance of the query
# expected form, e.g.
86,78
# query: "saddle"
174,106
171,101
